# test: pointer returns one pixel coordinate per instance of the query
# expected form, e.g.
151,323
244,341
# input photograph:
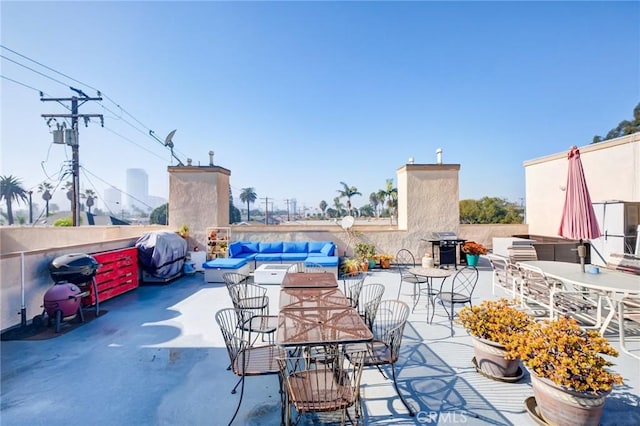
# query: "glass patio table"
312,298
309,280
321,326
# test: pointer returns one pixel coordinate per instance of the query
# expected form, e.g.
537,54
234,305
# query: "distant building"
137,190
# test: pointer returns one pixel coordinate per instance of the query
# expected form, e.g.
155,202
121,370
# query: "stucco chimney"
211,158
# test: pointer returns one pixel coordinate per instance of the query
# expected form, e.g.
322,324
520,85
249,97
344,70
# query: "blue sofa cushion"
327,249
268,257
250,247
274,247
295,247
245,255
293,256
324,260
224,263
316,246
235,249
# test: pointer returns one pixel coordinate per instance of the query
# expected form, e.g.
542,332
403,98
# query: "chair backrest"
322,380
534,283
521,253
389,323
370,298
233,335
404,259
313,267
503,270
353,287
464,283
249,300
231,278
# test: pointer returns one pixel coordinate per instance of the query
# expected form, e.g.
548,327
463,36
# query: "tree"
11,190
625,127
389,196
90,195
339,207
367,210
160,215
234,213
323,206
489,210
249,196
45,189
348,192
374,202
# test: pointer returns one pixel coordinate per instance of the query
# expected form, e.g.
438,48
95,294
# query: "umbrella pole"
582,253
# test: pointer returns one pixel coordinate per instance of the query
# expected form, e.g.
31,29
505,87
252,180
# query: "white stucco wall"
428,198
612,172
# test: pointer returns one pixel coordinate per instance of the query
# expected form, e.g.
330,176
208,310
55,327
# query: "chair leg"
236,386
239,400
395,384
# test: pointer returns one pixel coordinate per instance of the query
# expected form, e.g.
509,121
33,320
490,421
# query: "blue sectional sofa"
258,252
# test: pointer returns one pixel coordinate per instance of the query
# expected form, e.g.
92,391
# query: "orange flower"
471,247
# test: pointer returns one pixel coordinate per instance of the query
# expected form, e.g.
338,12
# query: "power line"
31,69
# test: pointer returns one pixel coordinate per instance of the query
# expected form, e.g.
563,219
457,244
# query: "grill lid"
446,235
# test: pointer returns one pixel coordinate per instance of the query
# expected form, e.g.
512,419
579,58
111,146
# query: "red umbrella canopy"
578,217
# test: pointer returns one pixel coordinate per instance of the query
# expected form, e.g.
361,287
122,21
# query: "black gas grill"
448,248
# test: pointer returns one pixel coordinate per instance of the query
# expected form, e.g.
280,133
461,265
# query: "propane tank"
427,261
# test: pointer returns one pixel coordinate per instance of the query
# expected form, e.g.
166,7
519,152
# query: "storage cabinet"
117,274
217,242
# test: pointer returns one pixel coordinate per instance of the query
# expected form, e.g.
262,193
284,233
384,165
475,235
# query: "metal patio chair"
245,359
458,292
403,262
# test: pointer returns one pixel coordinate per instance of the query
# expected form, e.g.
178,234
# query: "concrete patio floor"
156,357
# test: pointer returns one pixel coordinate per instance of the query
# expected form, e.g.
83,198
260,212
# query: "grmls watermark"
447,417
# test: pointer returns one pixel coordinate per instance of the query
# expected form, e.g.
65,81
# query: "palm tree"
339,207
45,189
10,190
390,194
323,206
249,196
373,200
90,195
348,192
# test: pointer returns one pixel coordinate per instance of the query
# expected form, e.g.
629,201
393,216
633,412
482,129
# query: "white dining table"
612,285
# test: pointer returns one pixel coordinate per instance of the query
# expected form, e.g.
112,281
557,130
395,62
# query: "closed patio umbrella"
578,217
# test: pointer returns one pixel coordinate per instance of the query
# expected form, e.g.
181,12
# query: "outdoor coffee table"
309,280
312,298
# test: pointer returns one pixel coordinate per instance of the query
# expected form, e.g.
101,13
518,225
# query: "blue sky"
294,97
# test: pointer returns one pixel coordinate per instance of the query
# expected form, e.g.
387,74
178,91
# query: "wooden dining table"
610,284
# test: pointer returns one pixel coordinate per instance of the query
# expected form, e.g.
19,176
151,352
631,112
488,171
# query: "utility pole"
288,217
72,139
266,210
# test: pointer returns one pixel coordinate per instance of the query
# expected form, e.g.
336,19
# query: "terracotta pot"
561,406
385,263
364,266
491,361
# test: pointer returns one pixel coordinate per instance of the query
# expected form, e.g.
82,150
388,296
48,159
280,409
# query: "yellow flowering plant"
496,320
568,355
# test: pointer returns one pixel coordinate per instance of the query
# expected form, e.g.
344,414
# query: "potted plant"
350,266
183,231
473,250
570,378
366,253
384,259
494,325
